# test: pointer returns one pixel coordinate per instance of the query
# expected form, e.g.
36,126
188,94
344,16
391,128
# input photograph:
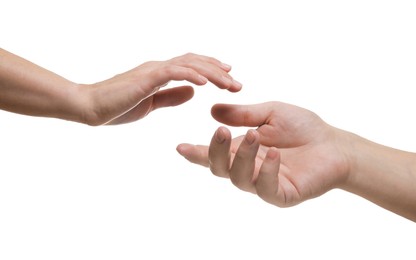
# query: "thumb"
172,97
243,115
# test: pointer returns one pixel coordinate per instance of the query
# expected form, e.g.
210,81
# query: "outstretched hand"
292,156
134,94
29,89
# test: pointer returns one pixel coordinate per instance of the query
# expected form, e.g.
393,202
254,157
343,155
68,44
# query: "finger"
216,75
242,169
214,61
208,59
134,114
243,115
197,154
172,97
163,98
267,184
223,66
212,69
169,72
219,152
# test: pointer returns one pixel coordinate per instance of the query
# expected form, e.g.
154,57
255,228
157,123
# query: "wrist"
362,157
383,175
77,107
89,111
89,105
346,144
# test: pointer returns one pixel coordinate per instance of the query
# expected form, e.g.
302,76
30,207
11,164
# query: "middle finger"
242,170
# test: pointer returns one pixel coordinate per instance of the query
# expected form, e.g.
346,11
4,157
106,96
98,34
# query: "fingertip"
219,109
226,132
219,136
251,136
242,115
253,132
202,80
225,67
273,154
235,90
221,113
222,135
181,149
236,87
189,92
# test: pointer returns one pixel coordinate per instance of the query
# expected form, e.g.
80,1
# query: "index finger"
197,154
212,69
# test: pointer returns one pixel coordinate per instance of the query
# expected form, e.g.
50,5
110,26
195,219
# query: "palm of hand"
293,156
139,111
310,163
132,98
169,97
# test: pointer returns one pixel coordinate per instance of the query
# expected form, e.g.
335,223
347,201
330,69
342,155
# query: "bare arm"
294,156
383,175
26,88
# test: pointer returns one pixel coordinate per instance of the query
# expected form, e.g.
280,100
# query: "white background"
69,191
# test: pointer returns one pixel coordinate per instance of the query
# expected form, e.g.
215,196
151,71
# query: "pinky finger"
267,184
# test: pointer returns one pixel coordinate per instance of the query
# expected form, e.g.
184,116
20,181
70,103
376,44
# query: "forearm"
28,89
383,175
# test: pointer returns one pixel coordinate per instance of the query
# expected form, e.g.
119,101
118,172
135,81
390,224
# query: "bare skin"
293,156
28,89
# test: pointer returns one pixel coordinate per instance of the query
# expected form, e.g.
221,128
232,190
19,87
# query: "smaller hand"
291,157
134,94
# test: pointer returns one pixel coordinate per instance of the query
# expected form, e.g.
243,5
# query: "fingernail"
225,66
219,137
250,137
237,84
272,153
203,79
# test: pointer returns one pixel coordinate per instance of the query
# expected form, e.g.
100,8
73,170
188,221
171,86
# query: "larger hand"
292,156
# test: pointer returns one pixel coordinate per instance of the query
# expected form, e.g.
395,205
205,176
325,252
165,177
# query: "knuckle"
235,181
240,183
271,196
279,203
189,55
217,172
188,72
186,59
212,60
177,72
149,63
242,154
261,192
168,69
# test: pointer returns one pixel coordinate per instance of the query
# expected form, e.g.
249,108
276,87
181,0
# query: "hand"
291,157
134,94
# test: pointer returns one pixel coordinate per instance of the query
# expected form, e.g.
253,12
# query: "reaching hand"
28,89
291,157
132,95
